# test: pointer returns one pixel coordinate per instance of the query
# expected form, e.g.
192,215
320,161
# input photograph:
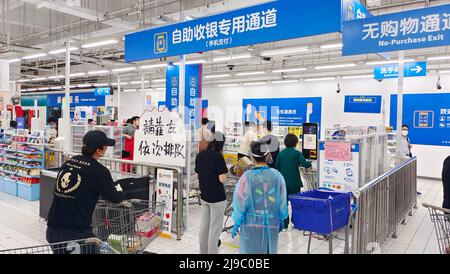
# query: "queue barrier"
383,204
130,168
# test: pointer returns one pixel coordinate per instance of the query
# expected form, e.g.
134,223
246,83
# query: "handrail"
445,210
385,175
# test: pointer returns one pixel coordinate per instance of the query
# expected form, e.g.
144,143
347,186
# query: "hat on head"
96,139
259,149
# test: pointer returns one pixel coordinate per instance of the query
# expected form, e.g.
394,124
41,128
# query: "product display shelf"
233,135
20,174
78,132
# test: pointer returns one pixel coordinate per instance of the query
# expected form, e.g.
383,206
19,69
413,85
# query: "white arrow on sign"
417,69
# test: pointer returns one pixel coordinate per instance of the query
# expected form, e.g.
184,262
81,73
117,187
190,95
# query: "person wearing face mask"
80,183
405,145
50,131
259,205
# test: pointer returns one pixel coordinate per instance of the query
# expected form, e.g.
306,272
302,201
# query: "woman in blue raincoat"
259,205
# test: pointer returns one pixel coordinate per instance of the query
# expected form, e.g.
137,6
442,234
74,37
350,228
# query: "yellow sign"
230,158
297,131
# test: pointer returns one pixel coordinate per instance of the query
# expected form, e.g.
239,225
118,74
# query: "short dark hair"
291,140
405,125
247,123
205,121
51,120
217,142
134,118
90,120
88,151
13,124
269,125
129,121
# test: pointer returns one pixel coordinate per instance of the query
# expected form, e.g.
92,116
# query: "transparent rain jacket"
259,208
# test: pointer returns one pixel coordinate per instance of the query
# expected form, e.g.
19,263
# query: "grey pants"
211,226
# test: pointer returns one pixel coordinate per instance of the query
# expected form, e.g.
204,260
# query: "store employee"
80,183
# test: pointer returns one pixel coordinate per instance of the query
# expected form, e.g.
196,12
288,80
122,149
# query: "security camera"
338,88
379,80
231,66
267,59
438,84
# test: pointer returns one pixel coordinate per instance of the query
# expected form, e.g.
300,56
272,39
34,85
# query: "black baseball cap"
96,139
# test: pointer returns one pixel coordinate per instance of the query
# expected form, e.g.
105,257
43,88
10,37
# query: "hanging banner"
413,29
164,194
172,87
273,21
428,118
363,104
354,10
193,98
102,91
76,100
161,139
413,69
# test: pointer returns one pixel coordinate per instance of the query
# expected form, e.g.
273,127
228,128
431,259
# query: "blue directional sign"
413,69
363,103
102,91
273,21
413,29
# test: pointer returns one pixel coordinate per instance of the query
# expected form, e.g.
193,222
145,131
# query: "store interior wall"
131,103
227,102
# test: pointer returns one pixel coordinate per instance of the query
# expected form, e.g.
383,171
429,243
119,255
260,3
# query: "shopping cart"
310,178
440,217
323,213
82,246
229,185
128,229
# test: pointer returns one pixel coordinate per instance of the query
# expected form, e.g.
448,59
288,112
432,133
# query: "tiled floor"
20,226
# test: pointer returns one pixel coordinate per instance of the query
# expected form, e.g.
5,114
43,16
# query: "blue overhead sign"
283,111
172,87
413,69
102,91
363,104
428,117
273,21
421,28
76,100
193,98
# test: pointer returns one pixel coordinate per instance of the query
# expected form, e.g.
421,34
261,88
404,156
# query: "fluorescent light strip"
217,76
139,82
233,57
99,44
121,83
34,56
284,82
62,50
23,80
42,89
57,87
129,90
97,72
285,51
39,79
124,69
84,85
14,60
336,66
56,77
250,73
192,62
32,89
255,84
444,71
160,89
159,81
72,86
319,79
78,74
438,58
154,66
358,76
332,46
227,85
101,85
388,62
288,70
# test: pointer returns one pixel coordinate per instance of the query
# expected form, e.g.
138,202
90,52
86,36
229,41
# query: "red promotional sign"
338,151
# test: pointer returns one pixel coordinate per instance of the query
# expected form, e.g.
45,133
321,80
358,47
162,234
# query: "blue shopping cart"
322,212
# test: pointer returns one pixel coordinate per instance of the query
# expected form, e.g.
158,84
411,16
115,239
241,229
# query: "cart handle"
427,205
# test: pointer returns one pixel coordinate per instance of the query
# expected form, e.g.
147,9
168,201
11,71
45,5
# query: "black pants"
56,235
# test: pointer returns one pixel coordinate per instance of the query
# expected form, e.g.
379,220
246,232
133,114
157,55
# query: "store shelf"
28,176
28,159
29,167
10,156
9,163
29,152
8,171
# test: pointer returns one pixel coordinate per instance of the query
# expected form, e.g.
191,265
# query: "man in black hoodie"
80,183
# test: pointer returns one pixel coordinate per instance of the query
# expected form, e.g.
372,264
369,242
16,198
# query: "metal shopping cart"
309,177
82,246
440,217
229,185
128,229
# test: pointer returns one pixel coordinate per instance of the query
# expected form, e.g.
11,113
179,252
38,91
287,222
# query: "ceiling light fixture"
319,79
254,84
42,89
250,73
217,76
159,81
56,77
288,70
286,51
388,62
39,79
23,80
284,82
227,85
192,62
336,66
99,44
78,74
153,66
84,85
38,55
32,89
56,87
332,46
101,85
124,69
358,76
129,90
438,58
232,57
14,60
97,72
62,50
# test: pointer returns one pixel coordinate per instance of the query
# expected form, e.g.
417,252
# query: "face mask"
404,133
